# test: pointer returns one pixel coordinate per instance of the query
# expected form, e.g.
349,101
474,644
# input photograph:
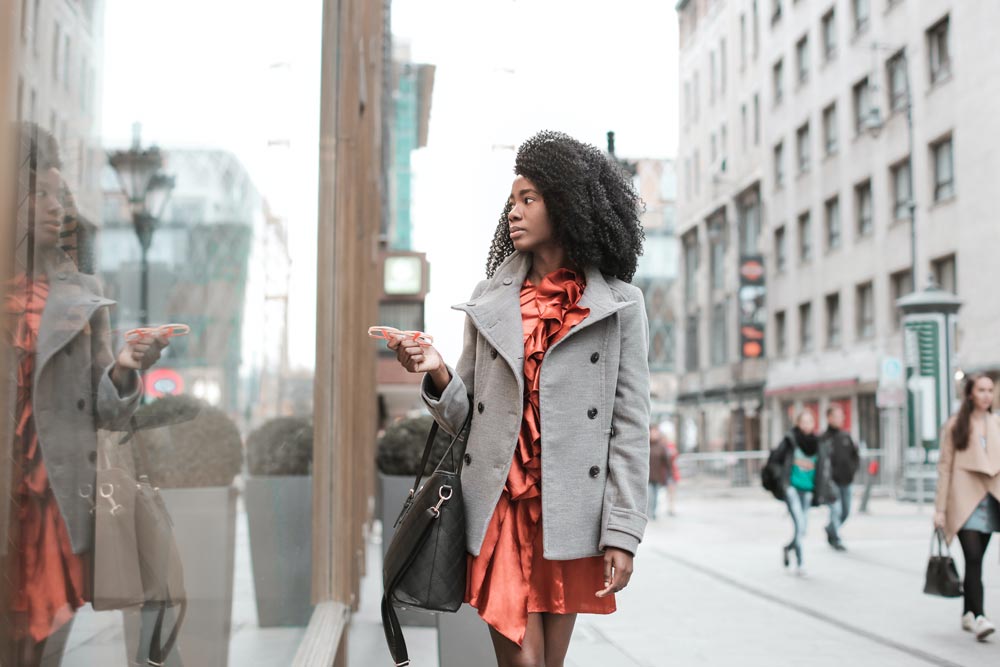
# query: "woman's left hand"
617,571
140,354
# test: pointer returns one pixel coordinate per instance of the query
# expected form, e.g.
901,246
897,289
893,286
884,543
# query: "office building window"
831,217
802,59
805,328
863,208
900,284
865,301
691,343
896,74
945,271
862,105
780,249
756,119
780,334
744,127
748,212
805,237
828,25
713,77
944,169
775,11
830,134
779,167
713,147
902,193
717,251
718,334
756,30
722,68
938,53
56,45
695,97
833,320
24,21
743,42
690,267
802,151
862,12
777,84
697,172
723,149
20,99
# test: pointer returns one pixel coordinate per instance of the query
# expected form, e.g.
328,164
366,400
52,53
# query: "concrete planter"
392,493
279,517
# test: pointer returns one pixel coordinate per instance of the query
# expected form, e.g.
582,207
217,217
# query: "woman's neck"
978,413
545,261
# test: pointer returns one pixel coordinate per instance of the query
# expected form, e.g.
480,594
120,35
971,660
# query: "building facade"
818,95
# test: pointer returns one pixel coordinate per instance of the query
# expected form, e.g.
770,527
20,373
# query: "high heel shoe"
784,556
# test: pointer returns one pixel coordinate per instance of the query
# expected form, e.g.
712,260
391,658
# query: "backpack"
772,475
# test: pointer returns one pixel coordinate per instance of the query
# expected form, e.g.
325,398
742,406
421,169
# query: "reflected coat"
73,394
594,400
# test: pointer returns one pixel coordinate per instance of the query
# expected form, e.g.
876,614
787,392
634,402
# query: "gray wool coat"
73,394
594,400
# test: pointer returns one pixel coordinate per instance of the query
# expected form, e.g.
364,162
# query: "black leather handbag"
424,566
942,575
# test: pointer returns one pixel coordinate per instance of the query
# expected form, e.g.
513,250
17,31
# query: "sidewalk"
709,589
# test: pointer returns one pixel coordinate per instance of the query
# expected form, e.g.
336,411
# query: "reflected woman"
554,364
68,384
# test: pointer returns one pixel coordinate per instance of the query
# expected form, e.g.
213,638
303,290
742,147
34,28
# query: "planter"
392,493
279,516
205,529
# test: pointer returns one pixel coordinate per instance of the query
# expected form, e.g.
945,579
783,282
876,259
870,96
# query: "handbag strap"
429,445
158,652
938,540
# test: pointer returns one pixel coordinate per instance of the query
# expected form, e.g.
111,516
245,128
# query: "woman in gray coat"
65,383
554,367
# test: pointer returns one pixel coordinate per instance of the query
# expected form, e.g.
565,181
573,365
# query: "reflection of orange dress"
510,578
48,576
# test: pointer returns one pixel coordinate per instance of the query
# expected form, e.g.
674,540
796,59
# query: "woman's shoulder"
623,291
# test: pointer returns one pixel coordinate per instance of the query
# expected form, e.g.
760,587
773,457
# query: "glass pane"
165,241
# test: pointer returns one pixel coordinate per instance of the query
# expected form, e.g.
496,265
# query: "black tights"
974,546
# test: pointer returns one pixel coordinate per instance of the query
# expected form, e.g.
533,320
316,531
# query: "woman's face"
982,394
529,224
807,424
45,207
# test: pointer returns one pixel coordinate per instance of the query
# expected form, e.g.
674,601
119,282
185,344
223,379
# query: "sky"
236,76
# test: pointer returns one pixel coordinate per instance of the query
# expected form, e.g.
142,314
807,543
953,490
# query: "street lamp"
147,190
874,125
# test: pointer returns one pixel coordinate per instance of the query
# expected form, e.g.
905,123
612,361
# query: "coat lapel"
68,310
496,313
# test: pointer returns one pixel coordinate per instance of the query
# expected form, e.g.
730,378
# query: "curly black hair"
593,208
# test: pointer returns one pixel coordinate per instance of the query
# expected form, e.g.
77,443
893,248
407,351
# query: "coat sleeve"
112,410
946,458
451,407
628,455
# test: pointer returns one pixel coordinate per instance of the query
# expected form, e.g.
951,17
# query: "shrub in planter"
278,497
281,446
402,445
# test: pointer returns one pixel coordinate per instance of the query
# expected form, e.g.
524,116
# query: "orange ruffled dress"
510,578
49,577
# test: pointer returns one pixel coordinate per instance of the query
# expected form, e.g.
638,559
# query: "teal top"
803,471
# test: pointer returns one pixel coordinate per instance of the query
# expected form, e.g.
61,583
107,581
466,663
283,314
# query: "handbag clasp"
436,510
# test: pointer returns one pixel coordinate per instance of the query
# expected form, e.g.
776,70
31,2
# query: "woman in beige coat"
968,490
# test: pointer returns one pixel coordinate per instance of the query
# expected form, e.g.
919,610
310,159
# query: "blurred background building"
797,147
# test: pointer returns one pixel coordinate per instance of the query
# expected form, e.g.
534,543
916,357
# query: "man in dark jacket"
845,462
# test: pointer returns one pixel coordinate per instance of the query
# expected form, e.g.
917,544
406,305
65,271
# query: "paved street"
709,589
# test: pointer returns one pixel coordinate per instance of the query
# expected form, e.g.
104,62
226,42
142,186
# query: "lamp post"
874,126
147,190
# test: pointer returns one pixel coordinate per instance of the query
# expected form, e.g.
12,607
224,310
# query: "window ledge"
941,82
830,156
943,202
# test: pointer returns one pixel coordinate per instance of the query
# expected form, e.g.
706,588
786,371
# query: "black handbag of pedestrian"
942,575
425,564
773,473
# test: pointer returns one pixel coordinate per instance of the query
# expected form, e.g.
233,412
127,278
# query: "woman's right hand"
939,520
414,357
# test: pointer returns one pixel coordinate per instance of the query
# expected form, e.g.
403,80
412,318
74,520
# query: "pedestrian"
673,475
805,460
68,383
968,489
844,463
556,465
659,469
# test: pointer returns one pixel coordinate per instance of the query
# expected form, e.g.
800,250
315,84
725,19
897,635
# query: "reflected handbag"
136,559
425,564
942,575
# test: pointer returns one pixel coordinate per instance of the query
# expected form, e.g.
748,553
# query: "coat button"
592,413
507,281
594,471
68,350
92,457
493,353
480,408
81,404
594,357
61,276
468,459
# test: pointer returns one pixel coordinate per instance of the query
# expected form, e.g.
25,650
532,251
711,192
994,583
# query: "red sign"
752,271
161,382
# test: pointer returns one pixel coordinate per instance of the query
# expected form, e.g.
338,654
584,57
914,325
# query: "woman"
67,384
554,363
806,480
967,491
